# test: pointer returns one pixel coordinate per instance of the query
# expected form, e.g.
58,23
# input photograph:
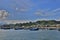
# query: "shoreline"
42,28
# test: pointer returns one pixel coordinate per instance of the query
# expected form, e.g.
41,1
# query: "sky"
29,10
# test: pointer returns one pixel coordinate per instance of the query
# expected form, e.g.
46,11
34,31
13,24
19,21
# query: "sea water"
29,35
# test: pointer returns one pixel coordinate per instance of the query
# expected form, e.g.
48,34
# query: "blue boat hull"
34,29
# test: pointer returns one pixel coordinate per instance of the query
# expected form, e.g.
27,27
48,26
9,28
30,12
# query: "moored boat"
34,29
52,28
59,29
18,28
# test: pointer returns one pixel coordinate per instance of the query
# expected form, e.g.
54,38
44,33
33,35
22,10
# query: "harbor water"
29,35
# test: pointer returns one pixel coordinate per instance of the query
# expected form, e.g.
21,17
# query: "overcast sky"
29,9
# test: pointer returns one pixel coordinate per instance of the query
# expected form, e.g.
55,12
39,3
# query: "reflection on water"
29,35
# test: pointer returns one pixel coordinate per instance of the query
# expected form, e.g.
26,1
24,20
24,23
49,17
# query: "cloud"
41,13
56,10
21,10
22,5
14,21
3,14
42,19
47,12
